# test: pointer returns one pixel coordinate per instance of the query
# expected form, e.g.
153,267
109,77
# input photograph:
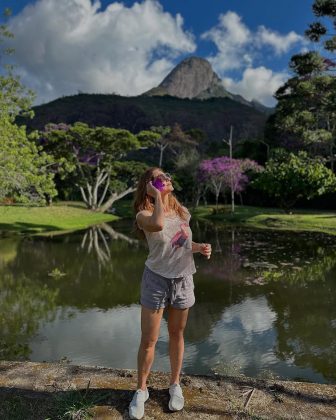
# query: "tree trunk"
114,197
332,156
162,148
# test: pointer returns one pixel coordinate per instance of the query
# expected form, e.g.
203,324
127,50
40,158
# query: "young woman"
167,279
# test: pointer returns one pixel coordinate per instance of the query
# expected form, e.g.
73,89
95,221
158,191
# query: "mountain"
194,78
213,116
191,95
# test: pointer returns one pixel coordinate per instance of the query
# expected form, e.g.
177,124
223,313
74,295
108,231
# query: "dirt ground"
30,390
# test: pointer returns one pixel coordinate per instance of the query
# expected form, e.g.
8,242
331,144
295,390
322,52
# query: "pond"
265,301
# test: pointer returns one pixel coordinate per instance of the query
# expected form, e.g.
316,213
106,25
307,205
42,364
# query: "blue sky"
66,46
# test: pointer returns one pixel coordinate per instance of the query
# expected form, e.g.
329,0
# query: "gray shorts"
158,291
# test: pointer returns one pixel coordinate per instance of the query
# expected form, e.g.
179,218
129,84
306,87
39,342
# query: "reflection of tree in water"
214,291
87,283
24,304
226,259
95,239
306,316
30,297
299,271
8,249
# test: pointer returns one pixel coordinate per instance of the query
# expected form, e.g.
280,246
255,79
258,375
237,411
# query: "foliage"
172,137
288,177
24,167
93,157
24,172
225,174
213,116
306,110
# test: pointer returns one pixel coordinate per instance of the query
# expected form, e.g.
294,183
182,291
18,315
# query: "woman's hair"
143,201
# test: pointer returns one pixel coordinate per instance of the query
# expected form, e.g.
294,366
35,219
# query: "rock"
191,78
194,78
186,381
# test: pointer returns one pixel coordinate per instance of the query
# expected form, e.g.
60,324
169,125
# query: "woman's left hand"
205,249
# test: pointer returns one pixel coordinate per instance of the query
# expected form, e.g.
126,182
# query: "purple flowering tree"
225,174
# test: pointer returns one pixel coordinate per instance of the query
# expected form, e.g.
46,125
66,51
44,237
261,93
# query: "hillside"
214,115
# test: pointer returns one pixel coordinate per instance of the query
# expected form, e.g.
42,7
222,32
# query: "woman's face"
167,182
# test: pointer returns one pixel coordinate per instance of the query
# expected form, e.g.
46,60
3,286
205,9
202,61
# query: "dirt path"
30,390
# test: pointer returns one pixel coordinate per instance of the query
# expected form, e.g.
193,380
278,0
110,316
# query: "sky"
63,47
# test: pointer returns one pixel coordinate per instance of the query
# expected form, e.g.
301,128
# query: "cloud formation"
66,46
257,83
238,48
231,37
280,43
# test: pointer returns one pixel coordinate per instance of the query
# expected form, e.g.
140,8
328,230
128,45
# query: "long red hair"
143,201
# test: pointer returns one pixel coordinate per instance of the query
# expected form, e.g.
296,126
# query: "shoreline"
64,217
40,390
301,220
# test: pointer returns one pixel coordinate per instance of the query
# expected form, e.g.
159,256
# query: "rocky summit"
194,78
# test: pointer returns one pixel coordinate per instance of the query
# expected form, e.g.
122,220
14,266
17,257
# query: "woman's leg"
150,329
177,320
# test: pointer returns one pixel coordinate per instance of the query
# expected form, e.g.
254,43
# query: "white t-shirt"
170,249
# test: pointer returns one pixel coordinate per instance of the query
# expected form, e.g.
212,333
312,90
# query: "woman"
167,279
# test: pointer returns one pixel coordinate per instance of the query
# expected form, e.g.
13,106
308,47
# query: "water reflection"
265,300
95,239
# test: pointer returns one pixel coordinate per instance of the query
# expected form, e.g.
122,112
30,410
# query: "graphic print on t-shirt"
180,237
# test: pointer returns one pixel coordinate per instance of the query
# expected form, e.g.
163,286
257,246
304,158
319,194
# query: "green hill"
214,116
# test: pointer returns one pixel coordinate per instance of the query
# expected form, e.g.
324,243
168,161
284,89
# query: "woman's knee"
148,342
175,333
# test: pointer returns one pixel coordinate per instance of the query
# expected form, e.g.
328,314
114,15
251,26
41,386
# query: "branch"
104,192
114,197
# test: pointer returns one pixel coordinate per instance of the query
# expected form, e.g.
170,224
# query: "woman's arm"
152,222
195,246
204,249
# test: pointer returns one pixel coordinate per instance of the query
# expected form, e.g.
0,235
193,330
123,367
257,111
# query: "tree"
186,165
24,174
306,109
95,158
288,177
172,137
225,174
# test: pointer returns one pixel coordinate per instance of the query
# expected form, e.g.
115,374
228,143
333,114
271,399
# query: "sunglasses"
163,177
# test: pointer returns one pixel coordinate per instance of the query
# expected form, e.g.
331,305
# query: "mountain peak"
194,78
191,78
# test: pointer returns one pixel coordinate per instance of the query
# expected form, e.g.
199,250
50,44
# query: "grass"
62,216
58,405
271,218
259,217
68,216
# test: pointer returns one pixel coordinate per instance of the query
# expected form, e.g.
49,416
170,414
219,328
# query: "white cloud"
68,45
242,335
257,83
280,43
238,47
231,37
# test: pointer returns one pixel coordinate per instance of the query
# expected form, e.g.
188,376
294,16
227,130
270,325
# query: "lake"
265,301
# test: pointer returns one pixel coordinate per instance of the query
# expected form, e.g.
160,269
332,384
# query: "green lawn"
58,217
271,218
73,215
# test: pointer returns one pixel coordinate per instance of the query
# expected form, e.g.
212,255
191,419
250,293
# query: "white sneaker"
136,408
176,401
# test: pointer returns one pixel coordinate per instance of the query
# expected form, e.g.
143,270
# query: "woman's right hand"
151,190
